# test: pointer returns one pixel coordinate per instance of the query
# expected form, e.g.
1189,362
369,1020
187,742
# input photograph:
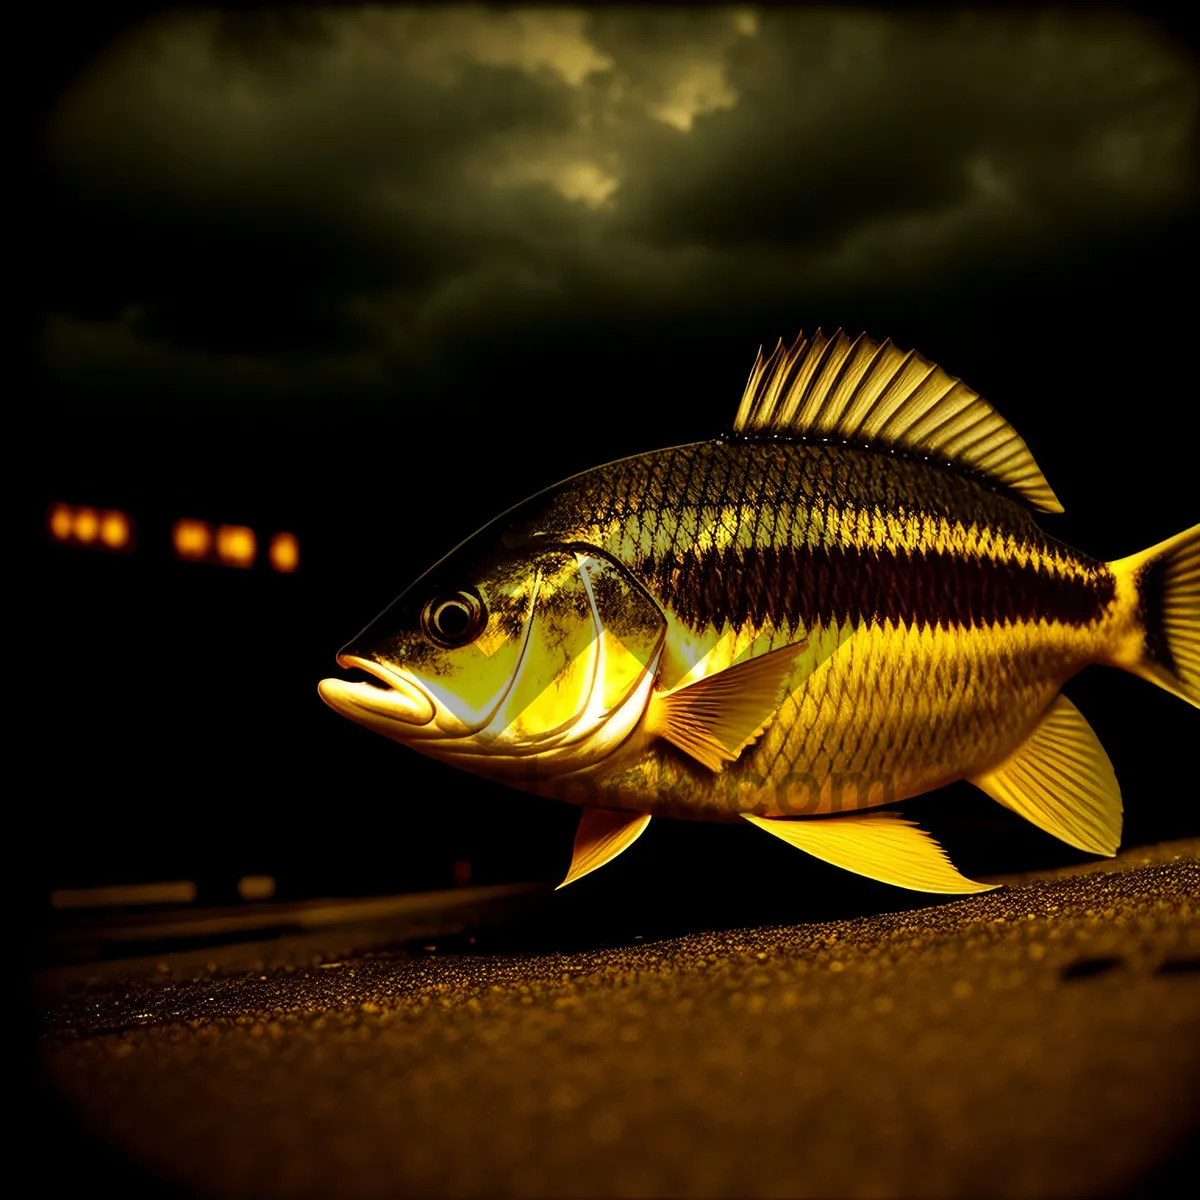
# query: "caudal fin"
1166,580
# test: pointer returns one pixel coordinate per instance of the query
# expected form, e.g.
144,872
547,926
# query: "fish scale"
988,532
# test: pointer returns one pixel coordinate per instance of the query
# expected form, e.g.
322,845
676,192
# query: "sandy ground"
1041,1040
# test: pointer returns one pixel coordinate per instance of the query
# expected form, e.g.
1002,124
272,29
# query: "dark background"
174,725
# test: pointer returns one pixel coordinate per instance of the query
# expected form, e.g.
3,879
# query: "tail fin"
1166,579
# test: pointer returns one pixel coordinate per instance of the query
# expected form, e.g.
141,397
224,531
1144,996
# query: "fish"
842,602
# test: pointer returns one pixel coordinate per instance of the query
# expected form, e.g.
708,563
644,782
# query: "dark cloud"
342,198
847,118
240,201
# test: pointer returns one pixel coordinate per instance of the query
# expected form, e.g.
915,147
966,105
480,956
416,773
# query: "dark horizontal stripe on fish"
801,585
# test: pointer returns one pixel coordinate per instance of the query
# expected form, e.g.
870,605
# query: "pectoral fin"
1060,779
716,718
602,834
881,846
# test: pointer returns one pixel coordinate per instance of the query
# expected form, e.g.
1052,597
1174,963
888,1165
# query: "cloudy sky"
374,209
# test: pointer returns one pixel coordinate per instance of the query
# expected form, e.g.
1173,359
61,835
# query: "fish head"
523,661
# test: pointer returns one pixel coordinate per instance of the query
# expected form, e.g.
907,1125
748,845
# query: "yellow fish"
844,603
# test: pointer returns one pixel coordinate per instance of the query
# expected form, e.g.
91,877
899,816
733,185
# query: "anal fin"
881,846
603,833
1061,780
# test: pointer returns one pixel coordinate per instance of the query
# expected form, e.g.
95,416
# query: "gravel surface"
1043,1039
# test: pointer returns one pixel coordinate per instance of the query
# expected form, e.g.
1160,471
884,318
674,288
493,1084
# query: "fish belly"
897,712
892,713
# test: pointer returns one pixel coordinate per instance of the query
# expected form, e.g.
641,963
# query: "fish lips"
400,703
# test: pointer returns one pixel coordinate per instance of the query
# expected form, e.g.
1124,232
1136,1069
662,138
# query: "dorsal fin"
875,394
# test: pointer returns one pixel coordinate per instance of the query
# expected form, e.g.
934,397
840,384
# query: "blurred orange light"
236,546
193,539
256,887
87,524
285,552
115,530
122,896
60,522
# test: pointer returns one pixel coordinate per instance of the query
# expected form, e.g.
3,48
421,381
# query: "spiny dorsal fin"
881,846
876,394
603,833
1061,780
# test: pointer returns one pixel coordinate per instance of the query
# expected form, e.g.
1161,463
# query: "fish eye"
455,619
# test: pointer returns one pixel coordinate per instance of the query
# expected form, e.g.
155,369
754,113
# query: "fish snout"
385,693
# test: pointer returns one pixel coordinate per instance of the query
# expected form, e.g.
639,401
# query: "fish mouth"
386,694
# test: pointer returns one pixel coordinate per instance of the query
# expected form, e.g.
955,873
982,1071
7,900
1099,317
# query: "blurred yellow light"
236,546
285,552
193,539
256,887
114,530
87,524
183,892
60,522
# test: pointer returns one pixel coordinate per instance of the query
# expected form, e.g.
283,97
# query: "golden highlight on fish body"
845,603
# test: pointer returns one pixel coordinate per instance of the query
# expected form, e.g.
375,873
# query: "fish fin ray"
603,833
880,846
873,393
715,718
1167,579
1060,779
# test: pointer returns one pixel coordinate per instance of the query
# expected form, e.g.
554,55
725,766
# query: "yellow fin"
1060,779
881,846
716,718
602,834
870,393
1167,580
